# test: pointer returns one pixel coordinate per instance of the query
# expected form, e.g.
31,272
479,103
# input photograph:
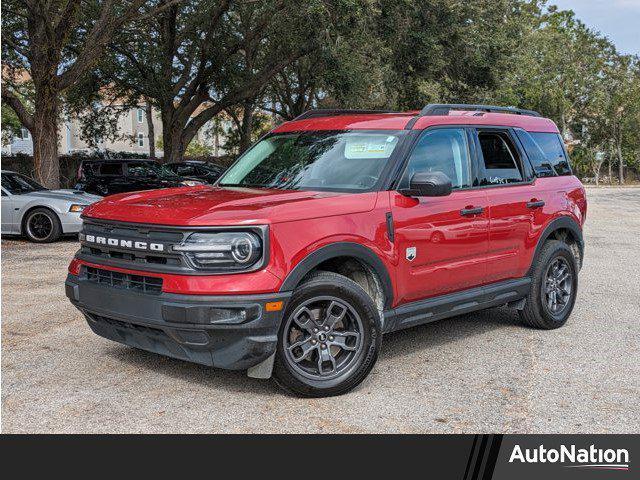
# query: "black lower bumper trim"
176,325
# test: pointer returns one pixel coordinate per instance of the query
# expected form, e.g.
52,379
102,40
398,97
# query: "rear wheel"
41,225
554,287
329,338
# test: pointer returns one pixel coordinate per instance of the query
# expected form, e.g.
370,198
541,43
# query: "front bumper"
176,325
70,222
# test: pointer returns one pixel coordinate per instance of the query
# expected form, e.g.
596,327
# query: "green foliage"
10,125
574,75
201,62
197,149
261,124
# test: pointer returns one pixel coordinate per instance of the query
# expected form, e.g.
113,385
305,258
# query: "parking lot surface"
482,372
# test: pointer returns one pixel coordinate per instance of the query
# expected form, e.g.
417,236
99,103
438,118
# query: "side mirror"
428,184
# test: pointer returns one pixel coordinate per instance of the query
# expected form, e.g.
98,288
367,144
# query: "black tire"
538,311
351,363
42,225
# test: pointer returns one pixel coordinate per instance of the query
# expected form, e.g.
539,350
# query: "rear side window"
553,148
501,162
111,169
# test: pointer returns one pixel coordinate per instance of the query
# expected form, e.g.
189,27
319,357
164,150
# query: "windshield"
17,184
314,160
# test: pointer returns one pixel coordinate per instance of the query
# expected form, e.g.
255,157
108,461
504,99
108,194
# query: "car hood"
74,196
207,206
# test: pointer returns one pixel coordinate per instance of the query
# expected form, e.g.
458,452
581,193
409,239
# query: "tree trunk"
45,137
620,164
176,153
151,131
610,163
174,137
247,126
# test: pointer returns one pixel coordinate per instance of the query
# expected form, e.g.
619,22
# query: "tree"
446,50
150,129
203,56
347,70
247,128
576,77
55,43
10,125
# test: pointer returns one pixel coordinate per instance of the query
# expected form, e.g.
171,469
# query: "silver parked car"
40,214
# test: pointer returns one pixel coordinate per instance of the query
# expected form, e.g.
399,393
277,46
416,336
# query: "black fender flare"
564,222
341,249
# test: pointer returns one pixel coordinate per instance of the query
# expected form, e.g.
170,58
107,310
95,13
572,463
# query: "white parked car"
42,215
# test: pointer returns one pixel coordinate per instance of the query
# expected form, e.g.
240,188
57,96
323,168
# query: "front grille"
136,259
140,283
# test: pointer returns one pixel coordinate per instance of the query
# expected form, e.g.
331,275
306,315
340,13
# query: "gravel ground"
476,373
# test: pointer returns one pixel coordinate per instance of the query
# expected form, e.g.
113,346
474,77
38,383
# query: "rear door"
516,204
441,241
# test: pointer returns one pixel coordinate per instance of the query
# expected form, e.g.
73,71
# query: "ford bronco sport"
332,230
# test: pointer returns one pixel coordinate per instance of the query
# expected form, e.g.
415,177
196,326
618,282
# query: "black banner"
455,457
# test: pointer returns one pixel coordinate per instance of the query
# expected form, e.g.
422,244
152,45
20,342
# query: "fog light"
203,315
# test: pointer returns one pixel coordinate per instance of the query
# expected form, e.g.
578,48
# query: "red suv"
333,229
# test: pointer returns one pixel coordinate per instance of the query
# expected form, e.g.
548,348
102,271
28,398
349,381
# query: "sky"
619,20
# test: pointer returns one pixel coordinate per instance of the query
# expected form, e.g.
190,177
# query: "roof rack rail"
328,112
445,108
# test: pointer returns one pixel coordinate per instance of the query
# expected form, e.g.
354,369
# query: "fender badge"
411,253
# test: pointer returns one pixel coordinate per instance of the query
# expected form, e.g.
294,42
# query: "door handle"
535,204
471,211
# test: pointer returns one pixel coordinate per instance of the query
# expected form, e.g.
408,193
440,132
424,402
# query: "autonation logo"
592,457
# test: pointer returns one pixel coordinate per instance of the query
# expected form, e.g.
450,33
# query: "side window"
185,170
111,169
501,162
552,146
541,165
443,150
141,169
91,168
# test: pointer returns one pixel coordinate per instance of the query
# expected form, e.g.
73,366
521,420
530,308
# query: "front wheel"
553,287
41,225
329,338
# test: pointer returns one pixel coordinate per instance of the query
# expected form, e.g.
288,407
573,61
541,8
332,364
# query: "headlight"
76,208
222,250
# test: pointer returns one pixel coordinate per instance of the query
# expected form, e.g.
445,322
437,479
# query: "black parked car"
106,177
205,171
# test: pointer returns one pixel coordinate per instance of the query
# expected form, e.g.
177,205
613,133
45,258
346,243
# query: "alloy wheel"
40,226
558,286
322,338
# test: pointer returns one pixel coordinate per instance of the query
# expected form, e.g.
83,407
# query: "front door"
7,212
441,242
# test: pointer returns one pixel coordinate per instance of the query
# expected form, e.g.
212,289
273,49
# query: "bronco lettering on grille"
122,243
